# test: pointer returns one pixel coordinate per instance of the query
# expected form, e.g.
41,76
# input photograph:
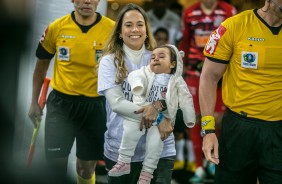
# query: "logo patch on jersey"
249,60
214,39
98,55
43,35
63,53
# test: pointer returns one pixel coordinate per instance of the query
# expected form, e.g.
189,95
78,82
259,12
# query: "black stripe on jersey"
41,53
274,30
218,60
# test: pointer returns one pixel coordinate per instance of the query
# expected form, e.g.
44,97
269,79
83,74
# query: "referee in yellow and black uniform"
74,109
247,51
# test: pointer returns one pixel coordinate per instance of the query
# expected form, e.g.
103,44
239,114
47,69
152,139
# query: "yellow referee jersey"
77,53
252,82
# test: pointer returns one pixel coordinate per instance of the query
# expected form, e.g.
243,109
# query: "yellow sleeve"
48,40
220,43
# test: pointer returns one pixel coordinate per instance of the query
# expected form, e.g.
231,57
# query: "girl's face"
133,30
161,62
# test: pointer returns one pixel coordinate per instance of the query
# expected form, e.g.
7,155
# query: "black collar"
274,30
83,28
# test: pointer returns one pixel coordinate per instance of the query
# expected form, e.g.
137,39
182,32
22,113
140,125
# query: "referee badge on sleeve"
63,53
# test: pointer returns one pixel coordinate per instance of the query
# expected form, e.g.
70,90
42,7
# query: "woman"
129,49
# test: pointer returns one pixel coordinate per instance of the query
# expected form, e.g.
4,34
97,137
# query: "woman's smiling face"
133,30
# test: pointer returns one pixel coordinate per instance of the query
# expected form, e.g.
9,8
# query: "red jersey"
196,29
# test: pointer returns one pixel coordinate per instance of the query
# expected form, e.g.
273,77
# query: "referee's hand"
210,148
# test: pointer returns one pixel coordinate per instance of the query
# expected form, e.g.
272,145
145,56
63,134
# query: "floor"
179,177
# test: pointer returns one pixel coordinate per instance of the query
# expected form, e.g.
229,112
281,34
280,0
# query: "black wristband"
205,132
163,104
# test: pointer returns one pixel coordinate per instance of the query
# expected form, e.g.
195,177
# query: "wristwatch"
205,132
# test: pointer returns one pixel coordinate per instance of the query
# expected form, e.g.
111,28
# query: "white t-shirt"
159,88
113,135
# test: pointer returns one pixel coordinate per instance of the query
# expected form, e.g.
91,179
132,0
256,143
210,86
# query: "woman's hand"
149,116
165,128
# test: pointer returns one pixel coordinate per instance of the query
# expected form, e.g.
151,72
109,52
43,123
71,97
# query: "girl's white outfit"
177,96
119,106
147,87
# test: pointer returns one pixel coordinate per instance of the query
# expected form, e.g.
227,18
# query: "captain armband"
208,123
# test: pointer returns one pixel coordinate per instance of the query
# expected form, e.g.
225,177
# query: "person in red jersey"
199,20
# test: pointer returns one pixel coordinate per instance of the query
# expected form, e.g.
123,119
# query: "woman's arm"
120,105
146,115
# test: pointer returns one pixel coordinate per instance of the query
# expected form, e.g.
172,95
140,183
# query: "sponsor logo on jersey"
249,59
214,39
68,36
256,39
204,123
54,149
219,12
63,53
195,12
201,37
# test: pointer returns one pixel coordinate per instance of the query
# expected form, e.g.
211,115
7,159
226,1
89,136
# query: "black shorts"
75,117
179,122
162,175
249,148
